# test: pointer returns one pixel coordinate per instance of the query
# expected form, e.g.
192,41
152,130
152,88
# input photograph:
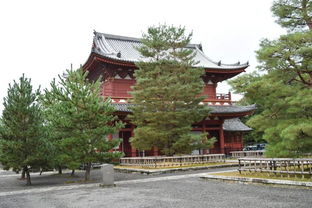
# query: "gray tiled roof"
122,107
231,108
220,109
235,124
110,45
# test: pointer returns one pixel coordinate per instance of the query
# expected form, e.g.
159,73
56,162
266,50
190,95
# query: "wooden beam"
221,140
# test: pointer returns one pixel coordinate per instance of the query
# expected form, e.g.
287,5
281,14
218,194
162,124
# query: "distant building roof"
220,109
122,48
235,124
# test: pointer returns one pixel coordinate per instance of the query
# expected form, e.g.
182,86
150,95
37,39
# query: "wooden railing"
120,99
219,99
278,166
174,161
252,153
223,96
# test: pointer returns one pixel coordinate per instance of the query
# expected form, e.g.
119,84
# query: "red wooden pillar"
133,150
205,151
221,137
155,151
110,137
242,141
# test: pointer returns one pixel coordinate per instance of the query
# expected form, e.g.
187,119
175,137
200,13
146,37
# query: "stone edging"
257,180
170,170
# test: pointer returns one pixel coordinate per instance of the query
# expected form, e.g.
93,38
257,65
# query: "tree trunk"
28,177
88,170
23,174
60,170
72,173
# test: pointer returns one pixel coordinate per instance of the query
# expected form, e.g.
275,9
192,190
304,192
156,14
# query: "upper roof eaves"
221,109
122,48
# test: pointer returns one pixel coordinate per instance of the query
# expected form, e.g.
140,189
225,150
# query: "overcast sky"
42,38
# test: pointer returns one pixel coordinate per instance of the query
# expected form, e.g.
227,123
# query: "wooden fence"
174,161
252,153
277,166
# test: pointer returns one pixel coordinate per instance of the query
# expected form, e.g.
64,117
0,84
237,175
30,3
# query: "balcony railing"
218,99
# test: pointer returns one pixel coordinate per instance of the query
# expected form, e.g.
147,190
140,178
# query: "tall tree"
284,91
81,120
240,85
166,93
294,15
23,145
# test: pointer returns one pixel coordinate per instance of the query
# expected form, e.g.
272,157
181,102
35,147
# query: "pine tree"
284,91
23,145
295,15
80,119
166,93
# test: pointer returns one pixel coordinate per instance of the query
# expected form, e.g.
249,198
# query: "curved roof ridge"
221,64
127,38
119,37
123,48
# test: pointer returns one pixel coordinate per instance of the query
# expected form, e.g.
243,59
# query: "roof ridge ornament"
118,54
219,63
200,47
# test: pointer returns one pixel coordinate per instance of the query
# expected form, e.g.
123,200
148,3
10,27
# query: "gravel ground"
186,192
9,181
190,191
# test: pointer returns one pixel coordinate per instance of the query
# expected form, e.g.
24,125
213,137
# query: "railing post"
155,162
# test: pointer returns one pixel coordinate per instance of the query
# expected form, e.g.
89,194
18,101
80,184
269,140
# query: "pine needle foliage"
22,142
283,88
166,93
80,119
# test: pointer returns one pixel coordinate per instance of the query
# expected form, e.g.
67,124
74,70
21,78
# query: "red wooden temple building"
113,57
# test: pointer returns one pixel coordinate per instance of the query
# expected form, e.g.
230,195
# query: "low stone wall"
174,161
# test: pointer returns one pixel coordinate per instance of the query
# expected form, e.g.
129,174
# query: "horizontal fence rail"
252,153
277,166
174,161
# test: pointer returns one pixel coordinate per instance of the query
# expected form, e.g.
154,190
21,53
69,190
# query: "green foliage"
283,92
79,120
23,145
240,85
293,14
291,55
166,92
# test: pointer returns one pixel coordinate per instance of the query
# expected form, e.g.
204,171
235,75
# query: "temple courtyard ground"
180,189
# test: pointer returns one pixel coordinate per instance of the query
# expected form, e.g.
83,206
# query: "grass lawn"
266,176
168,166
